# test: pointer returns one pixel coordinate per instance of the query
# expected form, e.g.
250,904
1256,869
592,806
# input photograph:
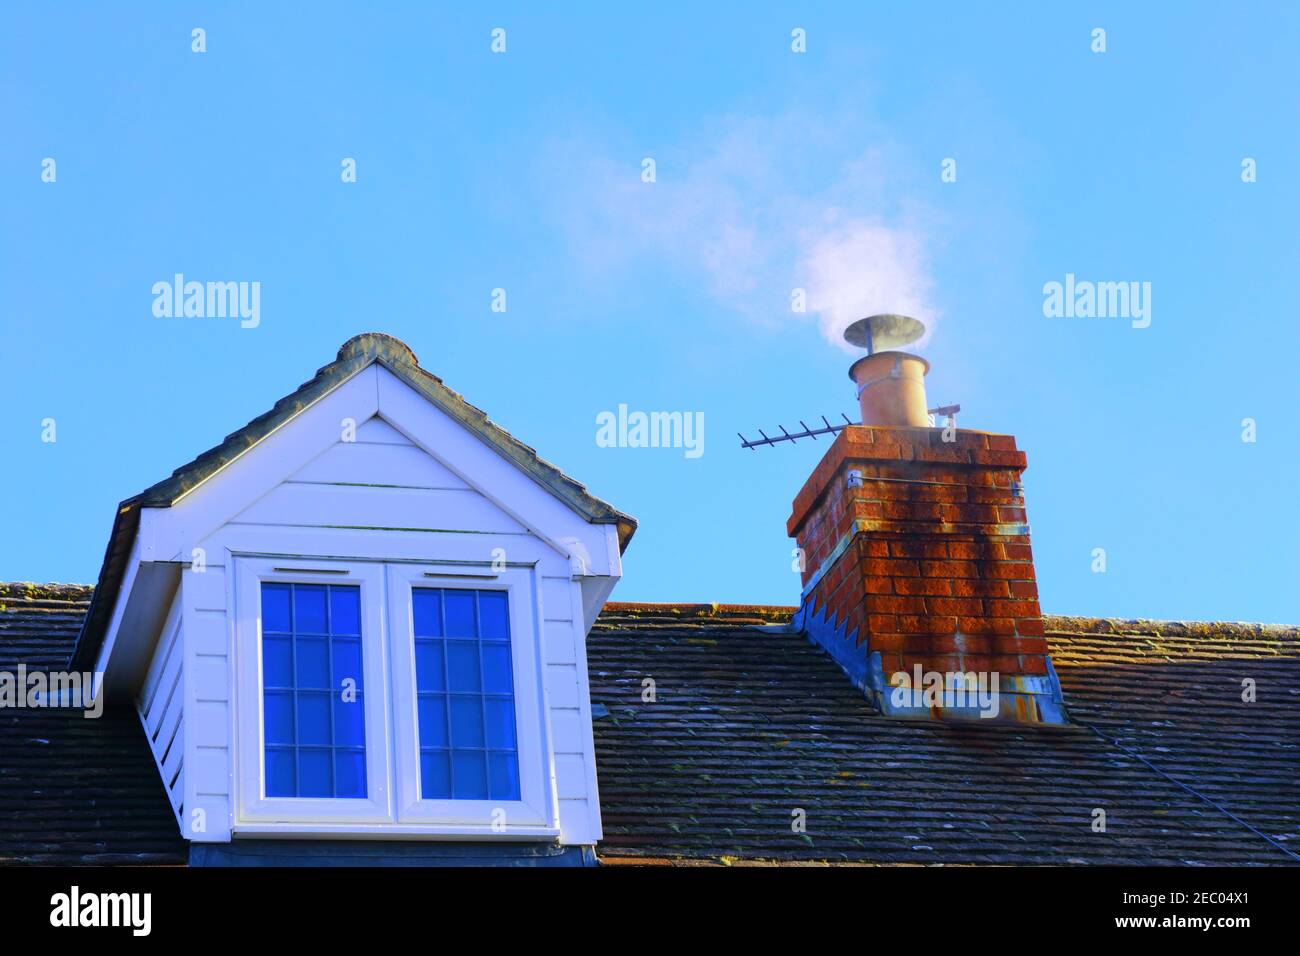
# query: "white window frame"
533,809
393,806
254,806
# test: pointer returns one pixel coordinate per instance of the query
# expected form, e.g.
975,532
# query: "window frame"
392,808
533,808
377,807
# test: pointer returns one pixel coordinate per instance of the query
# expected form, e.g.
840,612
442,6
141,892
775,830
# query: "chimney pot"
891,389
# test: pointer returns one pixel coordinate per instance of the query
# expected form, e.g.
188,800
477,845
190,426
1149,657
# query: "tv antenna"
878,334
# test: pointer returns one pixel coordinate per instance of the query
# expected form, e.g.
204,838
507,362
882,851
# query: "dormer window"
371,604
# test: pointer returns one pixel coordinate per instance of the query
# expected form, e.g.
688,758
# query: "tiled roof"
72,790
355,355
751,722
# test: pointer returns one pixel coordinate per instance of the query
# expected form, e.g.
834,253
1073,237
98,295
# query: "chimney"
918,576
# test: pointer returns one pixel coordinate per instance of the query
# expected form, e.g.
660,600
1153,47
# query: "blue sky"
774,170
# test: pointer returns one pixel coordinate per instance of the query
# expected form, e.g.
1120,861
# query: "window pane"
500,723
467,722
503,776
279,717
462,666
349,773
433,720
315,775
309,609
314,738
496,669
426,612
345,611
429,674
435,776
494,622
277,660
468,741
281,780
349,722
347,663
312,662
275,608
314,718
469,775
459,608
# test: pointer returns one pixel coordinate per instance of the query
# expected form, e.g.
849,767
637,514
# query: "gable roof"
356,354
752,721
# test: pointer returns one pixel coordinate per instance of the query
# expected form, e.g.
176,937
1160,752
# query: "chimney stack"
918,576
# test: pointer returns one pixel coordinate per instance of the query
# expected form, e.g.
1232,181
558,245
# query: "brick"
1030,626
1033,664
949,569
955,606
926,624
999,459
970,550
986,625
1010,570
1032,645
882,623
996,607
972,587
925,586
893,604
888,567
1023,589
914,548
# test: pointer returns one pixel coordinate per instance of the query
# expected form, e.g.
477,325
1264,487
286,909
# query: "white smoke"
864,268
753,211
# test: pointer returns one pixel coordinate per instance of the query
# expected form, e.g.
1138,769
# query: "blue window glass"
465,691
313,710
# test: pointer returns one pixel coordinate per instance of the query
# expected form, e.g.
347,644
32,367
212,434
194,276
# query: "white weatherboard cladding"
161,706
415,486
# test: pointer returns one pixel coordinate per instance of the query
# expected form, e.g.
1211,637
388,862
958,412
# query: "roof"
73,790
355,355
752,722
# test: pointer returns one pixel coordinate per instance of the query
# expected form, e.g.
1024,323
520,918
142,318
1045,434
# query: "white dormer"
363,616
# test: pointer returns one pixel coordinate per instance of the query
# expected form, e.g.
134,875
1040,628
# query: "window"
464,694
312,686
389,693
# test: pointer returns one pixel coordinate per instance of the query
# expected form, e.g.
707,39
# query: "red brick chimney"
917,559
